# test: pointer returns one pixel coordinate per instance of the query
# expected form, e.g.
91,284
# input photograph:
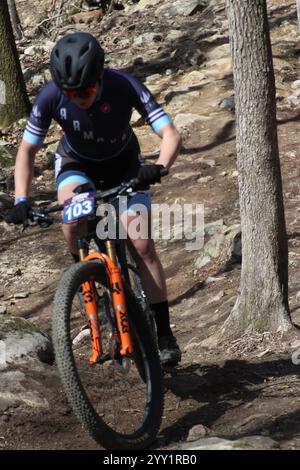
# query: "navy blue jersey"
102,131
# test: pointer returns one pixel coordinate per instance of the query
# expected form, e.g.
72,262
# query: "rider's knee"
145,250
73,229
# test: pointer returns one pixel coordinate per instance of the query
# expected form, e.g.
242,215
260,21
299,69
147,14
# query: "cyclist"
93,106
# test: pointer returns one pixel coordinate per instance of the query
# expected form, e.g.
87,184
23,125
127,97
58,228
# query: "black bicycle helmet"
76,61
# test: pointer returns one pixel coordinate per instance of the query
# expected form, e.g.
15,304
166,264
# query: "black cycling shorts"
105,174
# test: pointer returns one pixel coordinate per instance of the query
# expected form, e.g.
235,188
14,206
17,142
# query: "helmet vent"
68,64
79,75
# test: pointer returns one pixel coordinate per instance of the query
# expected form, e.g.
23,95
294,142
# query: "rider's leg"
69,174
135,218
154,283
74,230
150,268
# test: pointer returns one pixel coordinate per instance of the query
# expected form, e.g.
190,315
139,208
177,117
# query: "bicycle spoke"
111,389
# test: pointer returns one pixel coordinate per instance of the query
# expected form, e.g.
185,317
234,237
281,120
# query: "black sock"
162,318
75,257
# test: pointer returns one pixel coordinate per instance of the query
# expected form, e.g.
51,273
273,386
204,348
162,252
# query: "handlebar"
44,220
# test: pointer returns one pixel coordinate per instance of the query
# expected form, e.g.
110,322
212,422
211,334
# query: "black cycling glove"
19,214
150,174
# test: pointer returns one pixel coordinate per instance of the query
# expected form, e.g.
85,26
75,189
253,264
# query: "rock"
218,69
237,245
219,52
224,236
245,443
4,405
153,78
225,240
197,432
38,49
136,119
295,344
20,295
294,100
109,22
21,340
184,122
3,309
186,175
174,35
193,78
216,298
228,103
296,85
202,261
181,98
205,179
212,227
17,388
211,279
179,8
206,163
147,39
86,17
38,80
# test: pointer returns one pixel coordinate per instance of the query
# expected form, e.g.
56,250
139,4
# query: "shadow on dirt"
236,384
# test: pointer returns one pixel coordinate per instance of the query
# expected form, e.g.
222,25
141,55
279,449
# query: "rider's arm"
170,145
156,117
24,168
34,135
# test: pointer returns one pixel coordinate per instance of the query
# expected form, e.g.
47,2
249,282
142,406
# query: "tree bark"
15,19
14,102
298,12
262,304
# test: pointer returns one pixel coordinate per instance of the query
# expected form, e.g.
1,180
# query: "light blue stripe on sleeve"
33,139
160,123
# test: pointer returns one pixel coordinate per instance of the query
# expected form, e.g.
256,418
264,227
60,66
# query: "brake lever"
43,220
37,219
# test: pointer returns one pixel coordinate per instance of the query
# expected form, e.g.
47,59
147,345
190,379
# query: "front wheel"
120,401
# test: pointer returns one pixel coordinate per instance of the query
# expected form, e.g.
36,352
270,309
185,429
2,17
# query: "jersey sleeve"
40,118
146,105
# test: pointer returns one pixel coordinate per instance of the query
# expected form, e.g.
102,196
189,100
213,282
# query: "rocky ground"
248,387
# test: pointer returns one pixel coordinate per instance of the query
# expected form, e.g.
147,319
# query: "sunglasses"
83,94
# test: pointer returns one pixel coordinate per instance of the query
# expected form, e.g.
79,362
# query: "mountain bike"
102,332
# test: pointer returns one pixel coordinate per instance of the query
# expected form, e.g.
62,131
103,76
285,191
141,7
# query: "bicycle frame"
118,298
112,269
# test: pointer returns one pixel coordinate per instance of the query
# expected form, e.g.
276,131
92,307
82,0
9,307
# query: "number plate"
78,206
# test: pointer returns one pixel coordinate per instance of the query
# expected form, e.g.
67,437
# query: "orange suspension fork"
118,299
91,309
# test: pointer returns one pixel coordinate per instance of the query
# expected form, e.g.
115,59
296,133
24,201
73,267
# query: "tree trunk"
14,102
262,304
298,12
15,19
